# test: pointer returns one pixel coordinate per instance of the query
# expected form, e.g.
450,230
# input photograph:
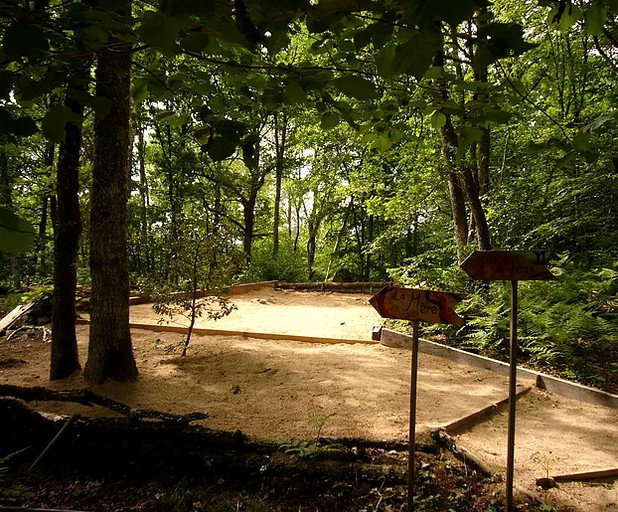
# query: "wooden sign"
507,266
416,304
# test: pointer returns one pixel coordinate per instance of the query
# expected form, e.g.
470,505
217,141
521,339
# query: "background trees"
387,140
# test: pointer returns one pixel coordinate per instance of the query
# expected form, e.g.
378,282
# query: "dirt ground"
282,389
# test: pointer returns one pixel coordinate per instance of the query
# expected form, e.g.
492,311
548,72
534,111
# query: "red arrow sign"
415,304
506,266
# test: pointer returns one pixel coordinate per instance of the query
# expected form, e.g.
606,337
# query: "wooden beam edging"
482,414
558,386
237,289
245,334
463,454
370,287
600,474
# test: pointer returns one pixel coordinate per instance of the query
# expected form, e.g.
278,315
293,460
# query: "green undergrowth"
567,327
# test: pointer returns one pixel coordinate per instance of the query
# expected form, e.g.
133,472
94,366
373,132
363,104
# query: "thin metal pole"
412,428
510,459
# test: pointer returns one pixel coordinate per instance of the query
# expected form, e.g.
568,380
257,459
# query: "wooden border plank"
556,385
601,474
245,334
238,289
481,414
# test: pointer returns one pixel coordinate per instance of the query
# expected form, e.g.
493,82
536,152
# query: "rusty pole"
510,459
412,427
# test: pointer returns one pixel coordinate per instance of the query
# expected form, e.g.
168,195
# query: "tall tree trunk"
471,188
280,139
249,224
144,257
68,228
110,354
456,193
39,250
6,199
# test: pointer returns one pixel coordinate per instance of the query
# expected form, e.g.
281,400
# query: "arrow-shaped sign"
506,266
417,304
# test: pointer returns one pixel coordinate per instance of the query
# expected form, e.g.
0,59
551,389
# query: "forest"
202,143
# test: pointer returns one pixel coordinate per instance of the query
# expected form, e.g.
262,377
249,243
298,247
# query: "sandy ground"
277,389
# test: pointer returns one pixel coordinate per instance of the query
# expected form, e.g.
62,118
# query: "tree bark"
110,354
68,228
458,201
144,246
280,140
39,251
6,199
478,212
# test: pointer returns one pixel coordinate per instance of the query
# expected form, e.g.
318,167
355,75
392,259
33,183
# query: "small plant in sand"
314,447
213,307
199,269
548,463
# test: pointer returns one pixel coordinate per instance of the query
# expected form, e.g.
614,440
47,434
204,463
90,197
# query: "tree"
68,227
110,353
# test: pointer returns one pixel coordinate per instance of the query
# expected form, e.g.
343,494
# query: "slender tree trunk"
41,243
368,240
458,200
280,139
194,288
478,212
110,354
6,199
249,225
145,203
68,228
313,226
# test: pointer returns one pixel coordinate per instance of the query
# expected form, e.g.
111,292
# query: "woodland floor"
276,391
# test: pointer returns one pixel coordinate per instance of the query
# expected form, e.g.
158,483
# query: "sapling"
199,274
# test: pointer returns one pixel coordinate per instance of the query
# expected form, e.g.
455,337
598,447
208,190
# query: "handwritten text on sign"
506,266
416,304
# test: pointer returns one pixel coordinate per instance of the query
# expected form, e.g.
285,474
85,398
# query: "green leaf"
596,16
24,39
54,121
295,93
356,87
467,135
161,31
16,234
498,116
187,7
438,119
581,141
24,127
567,19
415,56
385,60
426,13
377,33
433,72
382,143
195,42
499,40
221,148
140,92
329,120
599,122
6,84
177,120
93,36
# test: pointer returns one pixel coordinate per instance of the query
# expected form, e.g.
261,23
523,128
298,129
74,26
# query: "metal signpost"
510,266
415,305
